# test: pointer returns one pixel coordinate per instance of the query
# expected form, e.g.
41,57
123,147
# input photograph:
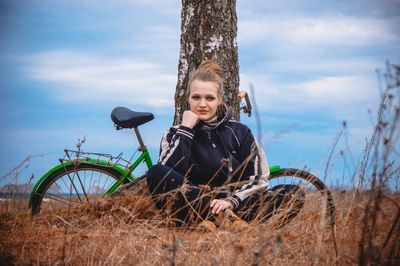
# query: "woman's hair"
209,71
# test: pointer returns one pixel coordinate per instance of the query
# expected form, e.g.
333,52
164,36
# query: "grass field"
128,230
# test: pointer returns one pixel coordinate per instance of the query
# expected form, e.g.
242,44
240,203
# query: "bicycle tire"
310,184
66,187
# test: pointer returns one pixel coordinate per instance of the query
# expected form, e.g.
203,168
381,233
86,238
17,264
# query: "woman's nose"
202,102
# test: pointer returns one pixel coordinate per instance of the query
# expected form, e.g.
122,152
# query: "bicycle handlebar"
247,108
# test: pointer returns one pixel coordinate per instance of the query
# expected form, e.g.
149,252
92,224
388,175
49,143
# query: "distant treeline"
17,196
16,191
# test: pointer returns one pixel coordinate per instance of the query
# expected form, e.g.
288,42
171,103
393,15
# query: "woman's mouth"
202,112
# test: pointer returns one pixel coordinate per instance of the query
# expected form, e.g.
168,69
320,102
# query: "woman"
209,150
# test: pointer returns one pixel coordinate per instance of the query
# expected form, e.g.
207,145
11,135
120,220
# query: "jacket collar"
222,119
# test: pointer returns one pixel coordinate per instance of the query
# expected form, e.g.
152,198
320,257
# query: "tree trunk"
208,31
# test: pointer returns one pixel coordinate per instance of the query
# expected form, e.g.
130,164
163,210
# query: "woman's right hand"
189,119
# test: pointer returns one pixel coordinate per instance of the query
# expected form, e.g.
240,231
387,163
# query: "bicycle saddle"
124,117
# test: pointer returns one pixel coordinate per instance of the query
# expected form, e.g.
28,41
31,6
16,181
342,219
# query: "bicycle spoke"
58,186
84,179
91,180
62,179
73,185
83,188
104,185
59,198
97,187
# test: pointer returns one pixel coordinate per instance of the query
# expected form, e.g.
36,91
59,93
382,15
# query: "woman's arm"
175,147
254,177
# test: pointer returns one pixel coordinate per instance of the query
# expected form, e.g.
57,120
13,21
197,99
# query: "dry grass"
129,230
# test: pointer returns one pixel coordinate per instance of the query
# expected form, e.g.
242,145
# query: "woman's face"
204,99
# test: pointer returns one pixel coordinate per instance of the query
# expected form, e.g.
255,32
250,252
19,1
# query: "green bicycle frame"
145,156
125,173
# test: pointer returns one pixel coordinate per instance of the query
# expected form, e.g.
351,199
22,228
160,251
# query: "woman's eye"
210,98
195,97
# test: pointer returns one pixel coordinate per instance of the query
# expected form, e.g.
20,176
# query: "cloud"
322,66
160,4
78,77
339,96
300,30
336,90
158,42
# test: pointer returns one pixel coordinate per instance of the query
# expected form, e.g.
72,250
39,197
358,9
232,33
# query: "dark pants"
188,203
172,192
282,201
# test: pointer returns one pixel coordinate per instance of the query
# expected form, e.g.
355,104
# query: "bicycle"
84,176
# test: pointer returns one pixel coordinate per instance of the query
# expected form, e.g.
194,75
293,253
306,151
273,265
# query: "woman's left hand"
218,205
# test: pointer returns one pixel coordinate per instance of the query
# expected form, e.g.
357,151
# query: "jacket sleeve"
175,148
254,177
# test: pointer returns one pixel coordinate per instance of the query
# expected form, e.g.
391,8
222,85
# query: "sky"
64,65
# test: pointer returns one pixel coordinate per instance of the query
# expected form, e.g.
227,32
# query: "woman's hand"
219,205
189,119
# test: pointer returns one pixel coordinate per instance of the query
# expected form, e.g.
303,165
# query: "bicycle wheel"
73,185
318,204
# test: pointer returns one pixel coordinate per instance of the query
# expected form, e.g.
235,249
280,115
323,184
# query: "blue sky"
65,64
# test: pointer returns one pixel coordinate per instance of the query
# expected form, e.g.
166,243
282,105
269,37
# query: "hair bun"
209,71
210,65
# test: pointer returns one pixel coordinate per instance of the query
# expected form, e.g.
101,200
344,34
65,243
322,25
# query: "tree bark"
208,31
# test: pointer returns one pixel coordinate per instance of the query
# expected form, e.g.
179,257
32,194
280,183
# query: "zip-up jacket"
223,155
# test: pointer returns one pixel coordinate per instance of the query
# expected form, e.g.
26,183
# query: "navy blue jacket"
225,154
